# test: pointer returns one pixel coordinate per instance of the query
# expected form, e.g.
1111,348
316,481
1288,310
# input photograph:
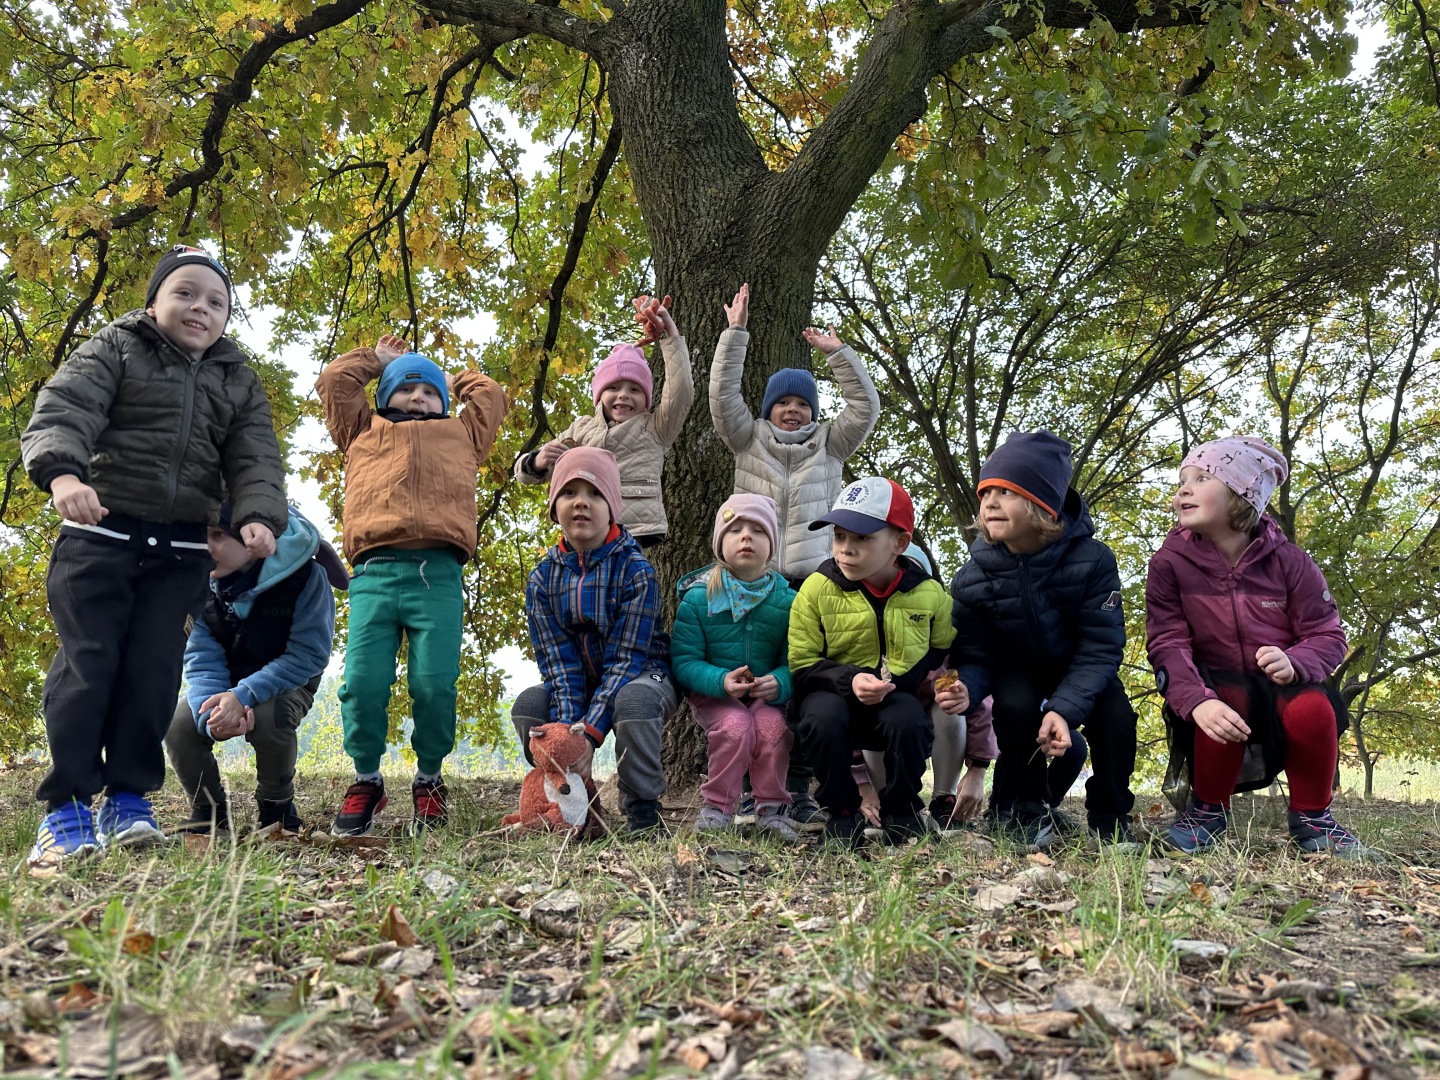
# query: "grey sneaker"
712,819
805,812
774,820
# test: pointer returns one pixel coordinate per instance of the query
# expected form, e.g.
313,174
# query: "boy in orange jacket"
409,526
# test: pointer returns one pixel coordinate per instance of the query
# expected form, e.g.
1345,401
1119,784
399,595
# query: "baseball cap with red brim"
868,505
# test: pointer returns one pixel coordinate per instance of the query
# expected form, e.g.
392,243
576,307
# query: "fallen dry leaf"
78,998
397,928
995,897
1039,858
138,944
685,855
1051,1022
738,1016
976,1039
1137,1057
1200,891
367,954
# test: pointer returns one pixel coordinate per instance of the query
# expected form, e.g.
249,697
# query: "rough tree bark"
717,215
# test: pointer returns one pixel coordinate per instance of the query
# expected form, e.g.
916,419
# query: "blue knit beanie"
411,368
788,381
1035,464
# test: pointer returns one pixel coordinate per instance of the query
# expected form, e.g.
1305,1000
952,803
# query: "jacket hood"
296,546
224,351
912,574
1196,549
1079,525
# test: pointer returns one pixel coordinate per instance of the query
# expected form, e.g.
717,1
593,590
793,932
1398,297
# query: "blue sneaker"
1198,828
66,833
127,820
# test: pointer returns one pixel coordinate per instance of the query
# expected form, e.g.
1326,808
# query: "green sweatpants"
416,593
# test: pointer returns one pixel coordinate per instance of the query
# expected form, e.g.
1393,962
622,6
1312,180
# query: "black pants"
831,727
1110,730
120,611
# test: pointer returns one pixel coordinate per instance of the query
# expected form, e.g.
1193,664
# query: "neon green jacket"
835,632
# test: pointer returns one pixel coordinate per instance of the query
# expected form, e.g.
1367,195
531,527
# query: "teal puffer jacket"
704,648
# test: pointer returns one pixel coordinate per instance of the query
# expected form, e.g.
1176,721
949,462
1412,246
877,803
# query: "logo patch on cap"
727,515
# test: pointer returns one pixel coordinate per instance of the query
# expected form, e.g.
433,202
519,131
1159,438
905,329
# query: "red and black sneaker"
363,800
432,805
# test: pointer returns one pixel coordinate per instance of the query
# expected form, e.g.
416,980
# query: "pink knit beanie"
624,362
756,509
592,464
1250,467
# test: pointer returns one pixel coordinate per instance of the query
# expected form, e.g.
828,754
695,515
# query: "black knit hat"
183,255
1034,464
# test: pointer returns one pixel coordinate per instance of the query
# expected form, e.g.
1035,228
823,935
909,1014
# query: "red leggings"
1311,750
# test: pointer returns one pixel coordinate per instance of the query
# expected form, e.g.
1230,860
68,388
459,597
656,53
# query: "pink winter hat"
624,362
1250,467
592,464
756,509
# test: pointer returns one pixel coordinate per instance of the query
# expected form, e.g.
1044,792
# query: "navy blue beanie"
1035,464
411,368
784,383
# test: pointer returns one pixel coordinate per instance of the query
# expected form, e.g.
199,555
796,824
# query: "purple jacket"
1201,610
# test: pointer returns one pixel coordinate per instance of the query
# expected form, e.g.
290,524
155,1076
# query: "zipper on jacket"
1029,596
580,608
187,420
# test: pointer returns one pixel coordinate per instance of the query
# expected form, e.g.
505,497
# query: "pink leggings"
743,736
1311,750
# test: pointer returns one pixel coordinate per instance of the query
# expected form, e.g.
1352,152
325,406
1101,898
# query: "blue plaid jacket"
594,623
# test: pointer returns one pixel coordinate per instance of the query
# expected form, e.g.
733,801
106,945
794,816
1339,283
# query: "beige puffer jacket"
639,444
802,476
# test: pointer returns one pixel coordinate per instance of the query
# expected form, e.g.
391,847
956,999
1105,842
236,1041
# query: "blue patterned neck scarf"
739,597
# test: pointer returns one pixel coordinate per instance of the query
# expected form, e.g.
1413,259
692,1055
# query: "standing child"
593,605
1242,631
252,666
136,437
1040,628
409,527
791,455
728,650
626,425
866,630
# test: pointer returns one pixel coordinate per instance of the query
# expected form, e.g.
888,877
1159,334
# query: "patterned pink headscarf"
1250,467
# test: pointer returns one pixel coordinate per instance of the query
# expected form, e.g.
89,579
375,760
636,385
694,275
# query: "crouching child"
865,631
252,665
593,605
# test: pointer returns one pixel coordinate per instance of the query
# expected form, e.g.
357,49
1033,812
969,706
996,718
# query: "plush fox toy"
553,797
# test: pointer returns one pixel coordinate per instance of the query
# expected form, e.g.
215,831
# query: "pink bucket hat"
592,464
756,509
624,362
1250,467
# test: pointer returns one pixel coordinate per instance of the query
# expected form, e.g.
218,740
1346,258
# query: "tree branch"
547,20
234,93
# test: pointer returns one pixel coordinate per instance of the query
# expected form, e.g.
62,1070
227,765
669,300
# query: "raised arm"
728,412
484,410
678,394
862,404
341,386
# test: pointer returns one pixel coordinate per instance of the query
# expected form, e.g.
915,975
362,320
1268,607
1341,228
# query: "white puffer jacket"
800,470
639,444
